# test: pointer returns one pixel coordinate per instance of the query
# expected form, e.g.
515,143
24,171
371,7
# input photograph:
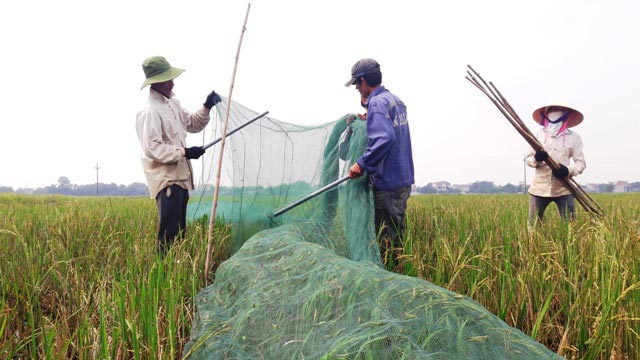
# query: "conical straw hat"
575,118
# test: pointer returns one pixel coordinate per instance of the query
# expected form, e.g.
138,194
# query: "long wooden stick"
588,200
212,219
492,92
583,197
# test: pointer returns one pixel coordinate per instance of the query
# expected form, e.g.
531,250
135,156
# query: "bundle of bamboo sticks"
490,90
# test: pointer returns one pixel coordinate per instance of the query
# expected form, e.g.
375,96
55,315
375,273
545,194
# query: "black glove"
541,155
212,99
561,173
193,152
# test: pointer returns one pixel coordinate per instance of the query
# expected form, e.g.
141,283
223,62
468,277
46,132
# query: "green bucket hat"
157,69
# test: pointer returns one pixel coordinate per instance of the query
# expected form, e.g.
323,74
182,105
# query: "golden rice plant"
575,287
80,278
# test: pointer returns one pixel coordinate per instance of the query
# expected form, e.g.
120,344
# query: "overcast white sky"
72,73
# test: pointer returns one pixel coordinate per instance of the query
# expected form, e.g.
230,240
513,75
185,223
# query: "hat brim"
351,81
575,118
167,75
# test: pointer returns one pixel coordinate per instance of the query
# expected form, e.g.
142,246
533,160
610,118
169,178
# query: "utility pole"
524,162
97,169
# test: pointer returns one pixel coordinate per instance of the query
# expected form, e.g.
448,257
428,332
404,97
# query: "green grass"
80,278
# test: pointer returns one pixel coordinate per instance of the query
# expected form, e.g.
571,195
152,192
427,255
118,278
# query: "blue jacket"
388,158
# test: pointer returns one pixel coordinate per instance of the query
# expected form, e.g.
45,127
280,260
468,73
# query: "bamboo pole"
310,196
235,130
492,92
212,219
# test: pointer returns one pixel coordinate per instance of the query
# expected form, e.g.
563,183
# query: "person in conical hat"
564,146
162,127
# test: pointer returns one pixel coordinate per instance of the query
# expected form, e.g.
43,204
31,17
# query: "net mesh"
309,284
270,164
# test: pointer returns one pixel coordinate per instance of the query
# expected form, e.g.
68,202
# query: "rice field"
79,277
573,287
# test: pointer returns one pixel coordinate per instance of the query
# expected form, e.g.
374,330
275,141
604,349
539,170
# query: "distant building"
442,186
463,188
620,187
591,187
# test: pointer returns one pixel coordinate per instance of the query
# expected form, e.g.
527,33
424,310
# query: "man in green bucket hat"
162,128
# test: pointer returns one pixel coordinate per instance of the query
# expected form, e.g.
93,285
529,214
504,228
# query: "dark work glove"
193,152
561,173
212,99
541,155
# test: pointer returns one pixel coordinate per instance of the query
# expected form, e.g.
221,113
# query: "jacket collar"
157,96
377,91
565,132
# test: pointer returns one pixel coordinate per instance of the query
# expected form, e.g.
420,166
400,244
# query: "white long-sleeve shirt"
562,148
162,128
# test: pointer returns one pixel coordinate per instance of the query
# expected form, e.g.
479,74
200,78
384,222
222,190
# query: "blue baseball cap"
361,68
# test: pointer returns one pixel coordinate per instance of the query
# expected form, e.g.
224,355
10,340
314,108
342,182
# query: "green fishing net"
309,284
270,164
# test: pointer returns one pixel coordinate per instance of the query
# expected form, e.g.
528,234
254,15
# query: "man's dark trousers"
172,216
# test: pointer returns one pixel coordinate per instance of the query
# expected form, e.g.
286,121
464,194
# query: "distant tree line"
478,187
488,187
65,187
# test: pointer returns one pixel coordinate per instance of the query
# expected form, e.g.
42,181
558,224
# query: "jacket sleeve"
153,145
531,161
196,121
579,164
380,140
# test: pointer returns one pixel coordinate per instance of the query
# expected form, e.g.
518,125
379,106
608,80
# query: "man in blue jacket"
388,159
